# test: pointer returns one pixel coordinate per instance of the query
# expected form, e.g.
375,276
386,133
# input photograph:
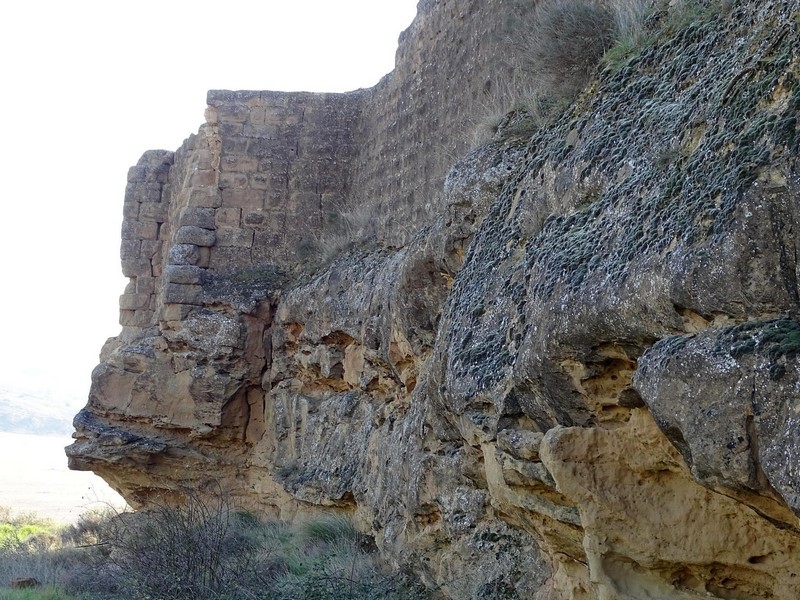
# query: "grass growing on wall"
560,45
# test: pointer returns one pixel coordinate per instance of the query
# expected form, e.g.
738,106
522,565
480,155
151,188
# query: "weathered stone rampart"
247,189
285,159
268,172
578,381
454,67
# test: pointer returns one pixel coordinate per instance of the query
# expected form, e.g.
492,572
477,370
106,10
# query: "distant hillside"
35,411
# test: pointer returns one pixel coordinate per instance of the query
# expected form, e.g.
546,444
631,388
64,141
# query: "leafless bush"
199,550
204,549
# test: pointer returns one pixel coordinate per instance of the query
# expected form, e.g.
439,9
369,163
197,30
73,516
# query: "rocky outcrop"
568,372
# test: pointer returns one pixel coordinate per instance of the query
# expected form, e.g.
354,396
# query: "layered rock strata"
569,372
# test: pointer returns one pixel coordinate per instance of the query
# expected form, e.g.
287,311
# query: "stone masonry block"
229,129
233,146
198,236
143,192
222,100
130,211
177,293
240,238
136,318
143,318
137,173
234,114
232,180
203,178
239,164
183,254
257,116
146,230
128,230
136,267
260,181
228,217
175,312
266,149
263,130
204,159
255,218
145,285
229,258
268,246
130,249
151,249
197,216
154,165
126,317
205,197
276,198
157,211
185,274
244,198
134,301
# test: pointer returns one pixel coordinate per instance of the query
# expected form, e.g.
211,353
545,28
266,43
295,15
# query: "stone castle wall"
266,171
246,190
285,158
452,72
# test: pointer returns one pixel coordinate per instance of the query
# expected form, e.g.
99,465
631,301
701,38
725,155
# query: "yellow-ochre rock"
561,365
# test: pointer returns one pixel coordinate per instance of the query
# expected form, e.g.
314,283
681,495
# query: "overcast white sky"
90,85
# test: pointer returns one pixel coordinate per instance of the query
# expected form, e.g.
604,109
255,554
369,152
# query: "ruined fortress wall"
265,172
144,232
452,71
247,189
285,159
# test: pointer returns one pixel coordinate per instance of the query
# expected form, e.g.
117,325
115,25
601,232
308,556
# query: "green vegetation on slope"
202,550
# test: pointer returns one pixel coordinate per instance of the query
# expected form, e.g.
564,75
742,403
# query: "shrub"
203,549
566,42
29,547
19,529
557,47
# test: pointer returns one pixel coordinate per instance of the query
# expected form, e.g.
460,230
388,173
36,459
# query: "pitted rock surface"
563,369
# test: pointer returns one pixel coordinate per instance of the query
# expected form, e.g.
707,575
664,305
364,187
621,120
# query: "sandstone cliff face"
569,371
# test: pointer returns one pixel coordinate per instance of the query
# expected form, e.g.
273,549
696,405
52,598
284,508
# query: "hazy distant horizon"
38,410
33,469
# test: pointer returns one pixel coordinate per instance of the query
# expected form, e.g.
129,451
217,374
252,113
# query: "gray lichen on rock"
567,367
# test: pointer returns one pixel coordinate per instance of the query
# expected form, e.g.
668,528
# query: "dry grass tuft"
558,47
566,42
